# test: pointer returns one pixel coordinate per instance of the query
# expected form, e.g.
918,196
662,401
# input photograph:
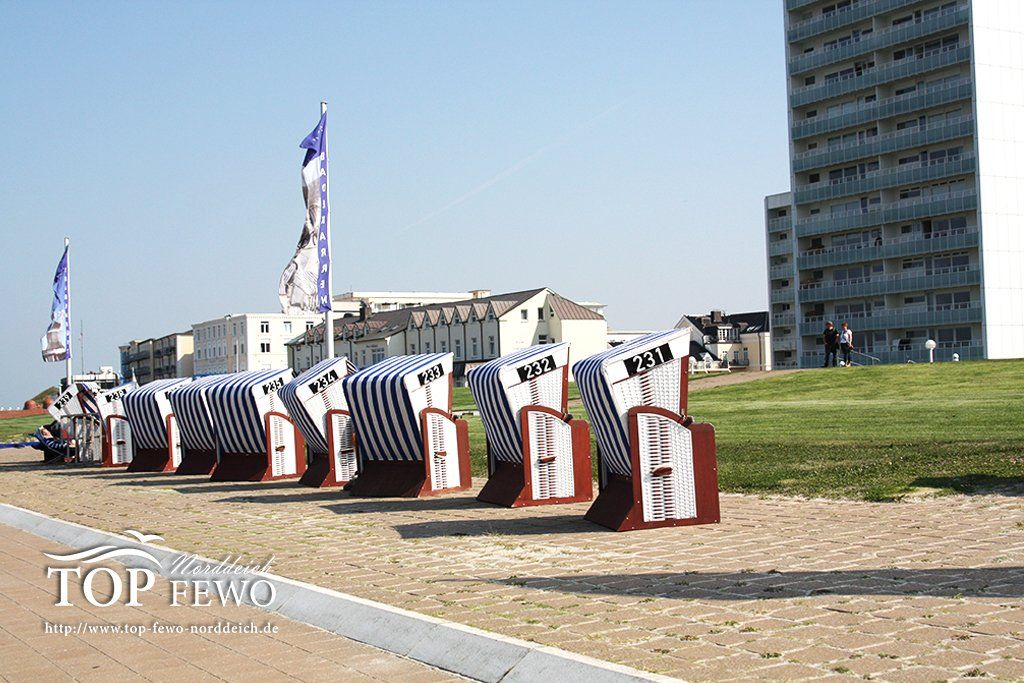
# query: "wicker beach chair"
117,430
191,409
317,404
156,442
537,454
408,442
256,437
657,467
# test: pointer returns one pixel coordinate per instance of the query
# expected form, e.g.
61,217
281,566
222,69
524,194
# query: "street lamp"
930,345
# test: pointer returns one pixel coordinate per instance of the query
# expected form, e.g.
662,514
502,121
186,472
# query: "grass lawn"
19,428
873,433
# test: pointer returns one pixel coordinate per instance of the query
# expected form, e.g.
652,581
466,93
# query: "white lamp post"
930,345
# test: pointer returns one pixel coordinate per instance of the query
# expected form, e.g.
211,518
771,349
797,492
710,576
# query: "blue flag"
57,340
306,281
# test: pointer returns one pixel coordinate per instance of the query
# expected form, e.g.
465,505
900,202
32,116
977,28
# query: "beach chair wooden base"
512,484
284,458
337,469
195,461
620,503
151,460
414,478
117,442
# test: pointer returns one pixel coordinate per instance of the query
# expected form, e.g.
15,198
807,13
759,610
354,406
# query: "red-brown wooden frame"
108,443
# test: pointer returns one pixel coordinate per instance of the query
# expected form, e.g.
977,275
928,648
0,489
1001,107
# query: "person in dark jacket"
830,338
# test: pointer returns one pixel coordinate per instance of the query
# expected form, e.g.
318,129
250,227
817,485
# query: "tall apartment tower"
906,216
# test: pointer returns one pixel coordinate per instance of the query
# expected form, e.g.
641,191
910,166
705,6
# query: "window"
540,313
524,314
309,325
264,327
264,347
377,355
287,326
491,346
473,341
426,347
412,348
953,336
444,346
458,348
952,300
542,339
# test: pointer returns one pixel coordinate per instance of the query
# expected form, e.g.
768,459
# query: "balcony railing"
892,212
784,270
780,223
784,294
972,350
889,284
939,131
905,318
890,71
881,39
884,178
783,319
801,30
922,98
910,245
779,247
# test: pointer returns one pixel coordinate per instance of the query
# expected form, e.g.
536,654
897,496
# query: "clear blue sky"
630,146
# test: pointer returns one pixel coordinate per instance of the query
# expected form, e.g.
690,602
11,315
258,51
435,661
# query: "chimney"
717,316
364,310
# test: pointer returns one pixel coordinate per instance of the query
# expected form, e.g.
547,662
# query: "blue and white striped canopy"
295,393
595,377
147,409
238,404
193,413
489,384
379,398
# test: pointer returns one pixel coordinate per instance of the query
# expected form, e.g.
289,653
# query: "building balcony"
892,212
972,350
881,39
779,247
940,131
889,284
784,294
783,320
922,98
883,73
885,178
906,318
802,30
890,248
782,271
779,224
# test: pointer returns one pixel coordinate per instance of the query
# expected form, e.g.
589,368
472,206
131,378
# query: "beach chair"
256,437
117,430
537,454
76,411
156,442
407,441
656,466
316,402
191,411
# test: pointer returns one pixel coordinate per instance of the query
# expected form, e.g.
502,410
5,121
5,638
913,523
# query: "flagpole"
68,329
329,314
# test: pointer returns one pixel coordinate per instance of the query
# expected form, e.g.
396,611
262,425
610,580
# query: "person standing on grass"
846,343
830,338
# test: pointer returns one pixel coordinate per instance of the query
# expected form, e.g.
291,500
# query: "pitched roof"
753,321
570,310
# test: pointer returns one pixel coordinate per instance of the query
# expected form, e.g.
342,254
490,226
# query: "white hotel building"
906,216
246,341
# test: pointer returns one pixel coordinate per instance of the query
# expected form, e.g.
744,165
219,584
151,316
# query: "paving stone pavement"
782,589
31,647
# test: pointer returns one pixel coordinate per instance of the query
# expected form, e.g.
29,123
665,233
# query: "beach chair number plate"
273,386
648,359
115,395
430,374
323,381
536,368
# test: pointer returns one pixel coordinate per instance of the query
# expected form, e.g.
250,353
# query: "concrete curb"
447,645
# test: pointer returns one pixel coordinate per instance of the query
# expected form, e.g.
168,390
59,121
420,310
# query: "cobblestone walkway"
782,589
32,647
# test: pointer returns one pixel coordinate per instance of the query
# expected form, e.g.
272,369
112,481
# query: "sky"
615,152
